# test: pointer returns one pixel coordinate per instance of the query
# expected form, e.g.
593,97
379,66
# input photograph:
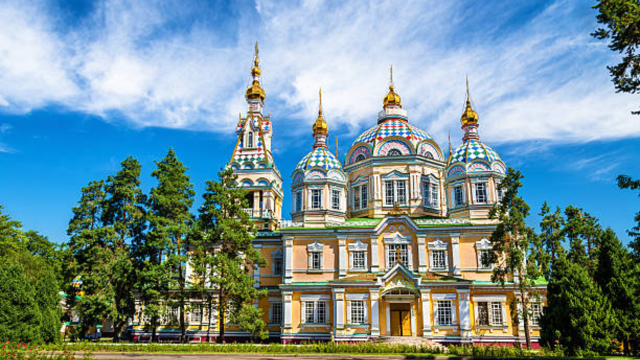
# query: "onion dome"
255,91
471,150
392,128
320,157
320,126
469,116
391,98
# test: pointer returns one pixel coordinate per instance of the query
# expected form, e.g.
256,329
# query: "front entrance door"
400,319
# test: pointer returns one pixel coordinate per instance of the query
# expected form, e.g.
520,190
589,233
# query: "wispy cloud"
535,73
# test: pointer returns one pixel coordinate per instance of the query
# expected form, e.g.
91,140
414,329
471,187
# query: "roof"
319,157
473,150
392,127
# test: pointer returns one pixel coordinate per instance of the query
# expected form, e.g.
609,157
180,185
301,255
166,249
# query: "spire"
392,99
469,116
255,91
320,127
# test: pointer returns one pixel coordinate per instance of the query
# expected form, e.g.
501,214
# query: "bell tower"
252,160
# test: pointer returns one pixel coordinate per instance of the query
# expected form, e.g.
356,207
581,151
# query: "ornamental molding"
397,238
441,221
438,244
315,247
484,244
358,246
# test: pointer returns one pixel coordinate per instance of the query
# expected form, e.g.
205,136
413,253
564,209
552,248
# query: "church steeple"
320,127
392,99
255,93
469,119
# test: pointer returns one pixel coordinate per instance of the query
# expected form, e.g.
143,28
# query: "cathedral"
388,241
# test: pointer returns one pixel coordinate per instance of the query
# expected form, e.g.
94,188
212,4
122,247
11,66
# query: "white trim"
314,297
358,246
490,298
315,247
444,296
397,238
357,296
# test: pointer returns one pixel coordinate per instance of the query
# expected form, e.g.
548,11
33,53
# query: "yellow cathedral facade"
388,242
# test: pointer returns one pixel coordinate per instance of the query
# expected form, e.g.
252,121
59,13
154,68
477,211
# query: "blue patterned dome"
471,150
319,157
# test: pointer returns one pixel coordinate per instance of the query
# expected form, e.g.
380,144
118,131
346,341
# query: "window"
363,196
439,259
495,317
483,260
481,193
536,312
277,266
335,199
394,152
490,314
358,312
500,192
316,260
276,313
315,312
298,201
483,314
360,197
430,194
250,140
196,313
172,316
316,198
398,252
458,195
359,157
395,192
444,312
359,260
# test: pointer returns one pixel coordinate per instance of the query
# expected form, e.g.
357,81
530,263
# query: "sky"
85,84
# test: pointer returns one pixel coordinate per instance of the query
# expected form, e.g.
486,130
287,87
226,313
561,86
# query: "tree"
621,20
223,217
551,237
170,222
48,301
626,182
202,251
515,249
615,276
20,318
124,212
583,232
578,316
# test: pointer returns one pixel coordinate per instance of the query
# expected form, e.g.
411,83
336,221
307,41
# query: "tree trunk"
154,326
221,317
183,330
525,319
209,308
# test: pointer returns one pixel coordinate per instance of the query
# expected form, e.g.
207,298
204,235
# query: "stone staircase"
410,340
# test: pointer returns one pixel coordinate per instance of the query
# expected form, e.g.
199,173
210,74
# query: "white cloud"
163,64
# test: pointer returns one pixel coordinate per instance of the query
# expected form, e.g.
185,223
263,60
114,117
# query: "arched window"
394,152
429,155
359,157
250,140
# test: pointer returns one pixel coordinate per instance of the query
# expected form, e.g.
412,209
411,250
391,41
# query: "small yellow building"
387,244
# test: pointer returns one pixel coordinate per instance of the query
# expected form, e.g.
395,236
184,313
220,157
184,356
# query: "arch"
248,166
478,166
398,144
235,166
394,152
315,174
336,175
430,150
262,182
262,165
455,171
497,167
359,153
298,177
246,182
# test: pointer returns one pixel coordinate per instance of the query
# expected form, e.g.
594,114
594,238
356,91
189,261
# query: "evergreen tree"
20,318
615,276
583,232
515,249
202,250
48,301
625,182
170,222
10,234
551,237
223,218
124,212
578,316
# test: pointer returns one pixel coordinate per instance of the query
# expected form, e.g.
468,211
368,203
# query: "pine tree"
615,276
223,217
625,182
551,238
47,299
202,251
515,249
583,232
578,316
170,222
20,318
124,212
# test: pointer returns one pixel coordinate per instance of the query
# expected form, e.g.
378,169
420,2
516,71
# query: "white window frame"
481,246
454,191
393,192
314,312
277,257
357,299
499,192
430,194
335,199
315,256
312,198
297,199
393,241
359,248
438,245
536,313
444,308
274,313
480,194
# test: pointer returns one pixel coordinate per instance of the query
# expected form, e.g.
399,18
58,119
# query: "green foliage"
516,248
625,182
21,351
223,220
578,317
551,238
621,21
20,318
48,300
583,232
166,250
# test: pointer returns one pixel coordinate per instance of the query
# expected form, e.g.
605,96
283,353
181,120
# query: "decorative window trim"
483,245
444,296
453,195
314,297
354,247
474,192
315,247
358,246
277,255
357,296
395,175
365,314
438,245
397,239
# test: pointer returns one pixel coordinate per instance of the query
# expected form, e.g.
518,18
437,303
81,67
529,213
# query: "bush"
20,351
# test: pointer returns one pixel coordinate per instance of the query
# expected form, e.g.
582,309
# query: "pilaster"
422,255
288,259
374,254
465,313
455,253
256,272
375,317
338,305
342,255
426,312
287,297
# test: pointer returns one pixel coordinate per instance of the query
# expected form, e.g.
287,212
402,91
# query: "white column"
287,297
455,252
338,308
413,320
342,255
375,179
256,272
388,319
256,203
465,313
422,255
375,320
374,254
426,312
288,259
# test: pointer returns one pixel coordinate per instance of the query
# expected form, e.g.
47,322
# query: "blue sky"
83,85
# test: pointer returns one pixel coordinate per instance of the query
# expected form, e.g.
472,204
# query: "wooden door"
406,323
396,328
400,319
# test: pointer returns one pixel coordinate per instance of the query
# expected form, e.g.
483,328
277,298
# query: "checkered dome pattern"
392,127
471,150
319,157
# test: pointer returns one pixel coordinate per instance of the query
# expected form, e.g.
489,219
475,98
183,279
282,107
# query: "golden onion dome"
391,98
255,91
320,126
469,116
